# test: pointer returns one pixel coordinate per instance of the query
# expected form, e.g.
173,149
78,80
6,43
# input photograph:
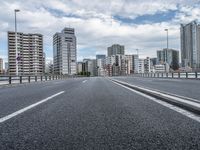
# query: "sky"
137,24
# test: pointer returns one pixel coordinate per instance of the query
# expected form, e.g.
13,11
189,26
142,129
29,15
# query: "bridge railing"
28,79
178,75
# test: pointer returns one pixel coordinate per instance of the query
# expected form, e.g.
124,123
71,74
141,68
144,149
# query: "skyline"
137,25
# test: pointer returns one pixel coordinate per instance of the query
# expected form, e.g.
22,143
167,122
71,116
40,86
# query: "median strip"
3,119
191,105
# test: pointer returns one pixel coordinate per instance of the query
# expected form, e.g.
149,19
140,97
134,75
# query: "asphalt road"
92,113
184,87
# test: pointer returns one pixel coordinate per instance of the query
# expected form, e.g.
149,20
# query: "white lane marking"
170,106
84,81
3,119
193,103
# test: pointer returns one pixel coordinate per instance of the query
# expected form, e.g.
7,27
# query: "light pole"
167,30
137,52
16,10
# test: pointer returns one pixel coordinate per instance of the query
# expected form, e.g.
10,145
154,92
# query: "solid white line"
179,99
170,106
84,81
3,119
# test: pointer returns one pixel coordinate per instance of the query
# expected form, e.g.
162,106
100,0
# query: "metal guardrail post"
196,75
46,78
35,78
186,75
179,75
29,79
172,75
20,79
162,75
41,78
10,79
167,75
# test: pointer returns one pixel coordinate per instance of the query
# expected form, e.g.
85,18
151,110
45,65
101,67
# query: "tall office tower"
115,49
169,56
30,54
190,45
64,52
133,60
1,66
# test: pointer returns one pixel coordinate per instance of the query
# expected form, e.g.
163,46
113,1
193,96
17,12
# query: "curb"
173,101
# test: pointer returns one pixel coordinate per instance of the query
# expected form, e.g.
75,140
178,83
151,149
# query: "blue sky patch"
146,19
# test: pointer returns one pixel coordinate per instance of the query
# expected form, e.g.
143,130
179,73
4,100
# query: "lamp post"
167,30
16,51
137,52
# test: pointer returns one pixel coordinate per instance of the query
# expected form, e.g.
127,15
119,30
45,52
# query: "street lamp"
17,57
167,30
137,52
167,38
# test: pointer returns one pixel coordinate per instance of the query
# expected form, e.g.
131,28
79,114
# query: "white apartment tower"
29,57
64,52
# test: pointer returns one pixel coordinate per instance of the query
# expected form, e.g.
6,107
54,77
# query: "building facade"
79,67
1,66
115,49
30,57
91,67
169,56
190,45
65,52
141,66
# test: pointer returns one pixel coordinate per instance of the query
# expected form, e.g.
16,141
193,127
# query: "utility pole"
167,30
16,51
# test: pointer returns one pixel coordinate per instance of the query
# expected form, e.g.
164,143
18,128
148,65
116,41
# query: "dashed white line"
84,81
3,119
170,106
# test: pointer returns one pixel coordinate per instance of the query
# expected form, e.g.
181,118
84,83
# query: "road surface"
89,113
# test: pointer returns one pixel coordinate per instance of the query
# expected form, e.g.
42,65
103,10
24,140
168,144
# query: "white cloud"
95,27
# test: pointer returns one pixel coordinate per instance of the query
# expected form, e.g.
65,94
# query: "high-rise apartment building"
1,66
29,57
65,52
169,56
190,45
140,65
115,50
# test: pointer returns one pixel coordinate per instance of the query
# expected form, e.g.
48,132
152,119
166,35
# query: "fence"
28,79
183,75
